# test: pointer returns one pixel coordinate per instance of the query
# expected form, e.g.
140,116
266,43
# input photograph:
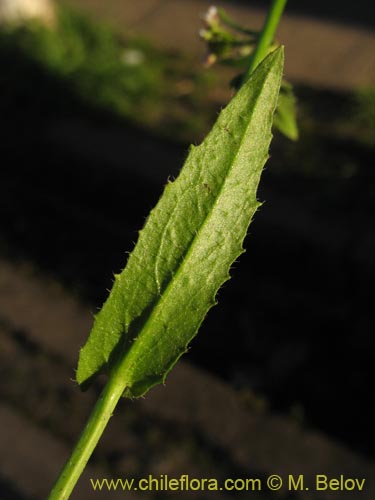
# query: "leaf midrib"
184,259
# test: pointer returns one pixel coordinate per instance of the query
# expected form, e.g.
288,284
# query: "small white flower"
211,18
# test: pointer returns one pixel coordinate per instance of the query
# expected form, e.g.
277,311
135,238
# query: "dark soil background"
292,333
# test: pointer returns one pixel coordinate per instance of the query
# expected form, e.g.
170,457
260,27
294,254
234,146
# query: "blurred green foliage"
125,76
168,93
91,58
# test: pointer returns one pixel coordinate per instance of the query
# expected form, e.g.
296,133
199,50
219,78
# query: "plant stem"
116,384
90,436
232,24
266,36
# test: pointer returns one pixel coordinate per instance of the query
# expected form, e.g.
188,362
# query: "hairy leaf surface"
188,244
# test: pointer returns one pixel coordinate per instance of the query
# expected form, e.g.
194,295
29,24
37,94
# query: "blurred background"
98,103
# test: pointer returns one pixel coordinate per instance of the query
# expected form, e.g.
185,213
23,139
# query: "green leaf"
188,244
285,119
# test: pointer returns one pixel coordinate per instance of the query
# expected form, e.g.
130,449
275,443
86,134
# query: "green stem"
115,386
232,24
266,36
90,436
